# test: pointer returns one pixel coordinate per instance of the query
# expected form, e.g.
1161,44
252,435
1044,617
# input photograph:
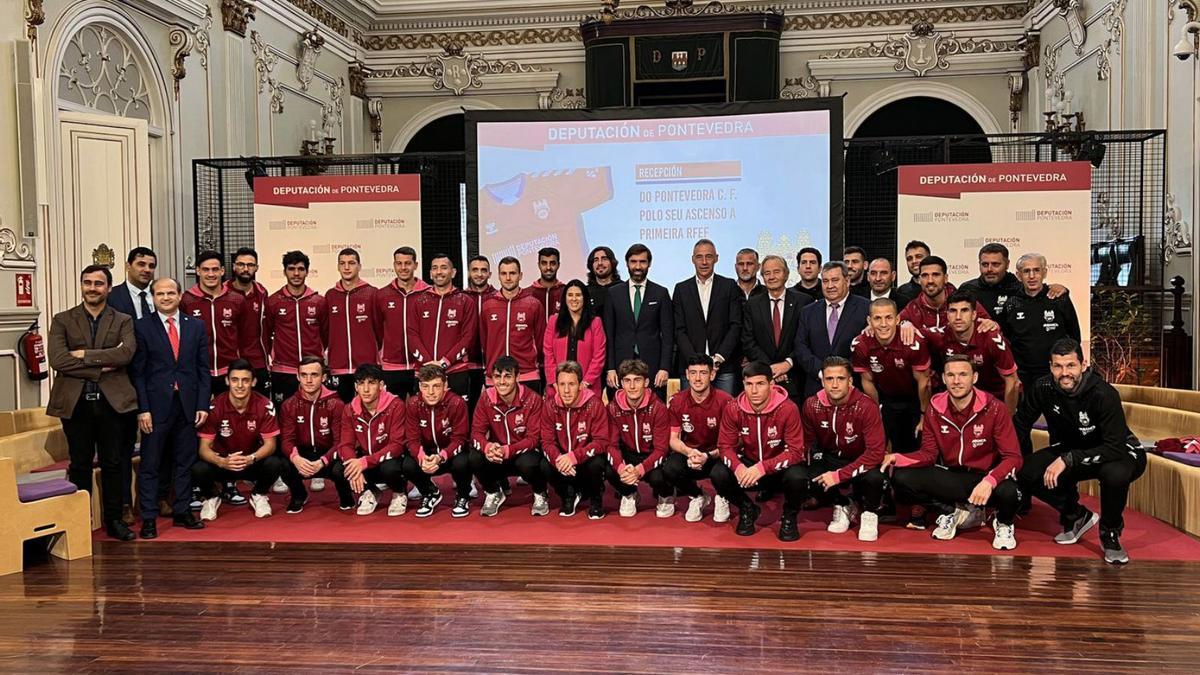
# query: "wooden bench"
46,508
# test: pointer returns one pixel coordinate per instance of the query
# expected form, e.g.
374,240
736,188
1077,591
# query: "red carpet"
321,522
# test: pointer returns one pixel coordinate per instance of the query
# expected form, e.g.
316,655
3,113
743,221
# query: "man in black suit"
881,278
769,323
170,373
808,267
708,317
639,322
828,326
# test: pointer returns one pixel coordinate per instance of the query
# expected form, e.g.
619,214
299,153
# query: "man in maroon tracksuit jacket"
370,447
254,344
443,326
507,431
352,339
391,323
695,414
642,428
310,423
512,323
928,310
548,289
846,443
294,326
479,274
439,427
989,351
576,436
223,313
762,446
968,460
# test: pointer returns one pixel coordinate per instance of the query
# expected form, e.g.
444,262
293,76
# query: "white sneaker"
720,510
414,494
665,508
628,506
948,524
975,518
695,511
317,484
840,522
868,526
398,505
367,503
541,505
261,505
208,509
279,487
1004,539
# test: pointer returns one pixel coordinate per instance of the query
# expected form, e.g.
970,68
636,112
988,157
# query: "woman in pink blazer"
575,334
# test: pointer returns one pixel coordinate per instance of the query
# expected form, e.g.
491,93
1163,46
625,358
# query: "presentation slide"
759,180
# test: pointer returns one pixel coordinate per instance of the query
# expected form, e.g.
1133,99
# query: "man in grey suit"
89,347
639,322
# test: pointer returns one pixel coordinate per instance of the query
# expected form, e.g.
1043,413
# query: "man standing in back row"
352,339
548,289
295,326
391,323
708,317
639,322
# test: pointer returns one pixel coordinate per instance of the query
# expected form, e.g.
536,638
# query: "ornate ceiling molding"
454,71
567,99
905,17
675,9
491,38
924,49
236,15
806,86
264,64
358,78
332,21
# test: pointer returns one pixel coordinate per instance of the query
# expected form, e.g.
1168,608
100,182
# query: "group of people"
846,389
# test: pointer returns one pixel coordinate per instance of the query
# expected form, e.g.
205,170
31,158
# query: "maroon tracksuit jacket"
644,430
852,430
443,327
254,343
391,325
294,327
441,429
772,438
225,320
514,328
923,315
377,437
352,340
582,430
550,298
315,424
517,427
979,438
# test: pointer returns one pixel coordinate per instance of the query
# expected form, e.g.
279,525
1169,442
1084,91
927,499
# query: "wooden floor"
237,607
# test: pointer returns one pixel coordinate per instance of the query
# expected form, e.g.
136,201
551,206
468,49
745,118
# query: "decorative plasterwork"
1177,233
264,64
455,71
14,253
35,15
1073,16
309,48
803,87
924,49
904,17
331,113
491,38
99,71
570,99
1031,43
358,78
203,41
1114,23
183,41
1016,87
236,15
677,9
375,115
331,20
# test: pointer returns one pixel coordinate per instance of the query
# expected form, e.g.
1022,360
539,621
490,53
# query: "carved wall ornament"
905,17
1114,24
1177,233
1073,16
104,255
375,114
264,64
236,15
455,71
568,99
684,8
183,41
329,19
493,38
331,113
358,78
202,38
1031,43
924,49
310,46
1016,87
802,87
99,70
35,15
14,250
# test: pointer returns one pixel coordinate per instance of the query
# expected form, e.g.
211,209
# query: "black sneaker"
230,495
1073,532
1114,553
462,508
747,516
345,506
918,520
787,528
570,502
505,487
297,505
596,510
428,504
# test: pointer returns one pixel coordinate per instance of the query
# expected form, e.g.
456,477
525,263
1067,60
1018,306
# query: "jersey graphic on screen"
533,210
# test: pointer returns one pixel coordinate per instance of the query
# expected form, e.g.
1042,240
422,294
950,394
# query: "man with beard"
746,266
639,322
808,266
254,342
479,273
929,309
855,258
391,323
223,312
1089,440
511,324
295,325
602,273
914,252
988,351
995,285
548,289
881,278
443,326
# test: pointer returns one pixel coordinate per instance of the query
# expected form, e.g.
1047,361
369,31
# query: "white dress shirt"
704,288
633,289
135,294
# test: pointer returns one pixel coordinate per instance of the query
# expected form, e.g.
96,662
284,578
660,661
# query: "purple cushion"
1189,458
32,492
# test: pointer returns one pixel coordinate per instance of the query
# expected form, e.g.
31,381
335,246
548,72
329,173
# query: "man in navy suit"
170,374
769,322
639,322
828,326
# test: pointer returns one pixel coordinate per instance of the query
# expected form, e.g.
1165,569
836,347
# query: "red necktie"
776,320
173,336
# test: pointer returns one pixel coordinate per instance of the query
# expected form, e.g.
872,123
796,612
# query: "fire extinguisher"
33,353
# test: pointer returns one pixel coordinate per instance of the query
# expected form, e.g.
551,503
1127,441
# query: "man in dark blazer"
170,374
89,347
769,322
639,322
881,278
708,317
840,313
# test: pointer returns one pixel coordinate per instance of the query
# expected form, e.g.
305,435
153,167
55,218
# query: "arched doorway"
913,130
444,134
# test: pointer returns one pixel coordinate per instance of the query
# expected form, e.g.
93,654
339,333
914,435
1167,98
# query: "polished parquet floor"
165,607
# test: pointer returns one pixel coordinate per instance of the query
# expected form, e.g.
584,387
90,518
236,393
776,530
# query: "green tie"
637,301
